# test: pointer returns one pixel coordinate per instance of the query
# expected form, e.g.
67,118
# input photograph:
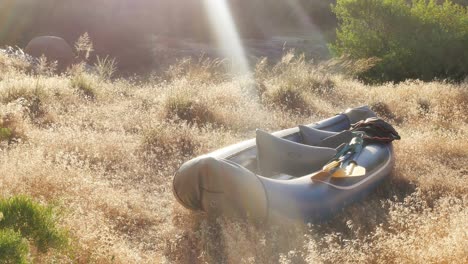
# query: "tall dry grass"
105,151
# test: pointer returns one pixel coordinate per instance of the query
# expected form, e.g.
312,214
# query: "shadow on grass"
361,218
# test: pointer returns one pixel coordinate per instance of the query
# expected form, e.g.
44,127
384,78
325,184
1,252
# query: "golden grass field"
104,151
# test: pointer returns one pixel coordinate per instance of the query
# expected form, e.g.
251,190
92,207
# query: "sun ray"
227,37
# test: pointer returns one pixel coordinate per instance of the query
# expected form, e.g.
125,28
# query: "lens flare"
227,37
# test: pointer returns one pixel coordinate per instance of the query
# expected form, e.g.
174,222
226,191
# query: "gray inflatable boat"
269,177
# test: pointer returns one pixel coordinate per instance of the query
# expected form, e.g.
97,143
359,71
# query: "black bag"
376,130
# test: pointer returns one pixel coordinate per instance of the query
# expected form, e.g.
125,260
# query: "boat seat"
277,155
320,138
312,136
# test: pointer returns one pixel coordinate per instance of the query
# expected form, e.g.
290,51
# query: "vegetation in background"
138,18
419,39
124,29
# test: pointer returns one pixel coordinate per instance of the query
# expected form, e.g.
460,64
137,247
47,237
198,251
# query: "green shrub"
13,248
420,39
33,221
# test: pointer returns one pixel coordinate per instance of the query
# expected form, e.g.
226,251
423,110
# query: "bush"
420,39
32,221
13,248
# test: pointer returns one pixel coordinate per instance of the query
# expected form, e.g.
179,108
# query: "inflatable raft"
276,175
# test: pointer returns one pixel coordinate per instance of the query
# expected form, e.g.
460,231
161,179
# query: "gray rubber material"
276,155
360,113
320,138
336,140
220,187
312,136
227,181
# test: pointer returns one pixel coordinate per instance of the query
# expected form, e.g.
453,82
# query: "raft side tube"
359,113
220,187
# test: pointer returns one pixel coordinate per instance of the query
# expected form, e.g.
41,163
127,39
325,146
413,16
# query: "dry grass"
108,163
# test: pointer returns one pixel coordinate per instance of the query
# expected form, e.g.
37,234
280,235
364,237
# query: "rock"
53,48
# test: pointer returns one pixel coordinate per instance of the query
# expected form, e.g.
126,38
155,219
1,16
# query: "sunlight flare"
227,37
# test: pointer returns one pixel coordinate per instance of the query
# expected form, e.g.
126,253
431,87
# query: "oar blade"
339,173
358,171
319,176
352,170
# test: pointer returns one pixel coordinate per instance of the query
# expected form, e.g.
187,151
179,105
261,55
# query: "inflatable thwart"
304,173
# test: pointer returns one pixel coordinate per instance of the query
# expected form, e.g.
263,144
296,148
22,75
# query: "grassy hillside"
105,152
